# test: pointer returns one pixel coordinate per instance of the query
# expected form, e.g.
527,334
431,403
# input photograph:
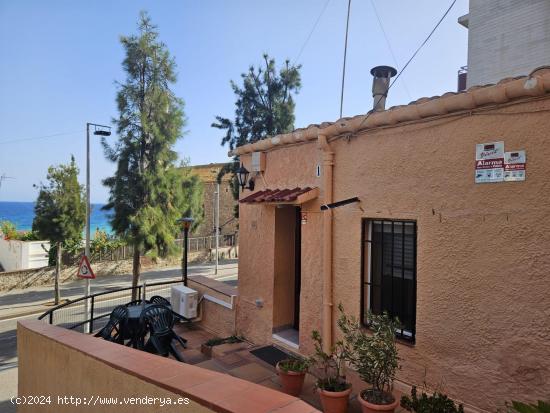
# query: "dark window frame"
366,223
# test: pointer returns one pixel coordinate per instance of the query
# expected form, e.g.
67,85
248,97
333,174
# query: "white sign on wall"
489,162
514,166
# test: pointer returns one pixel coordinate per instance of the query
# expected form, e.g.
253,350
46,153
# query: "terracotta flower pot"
334,401
368,407
292,381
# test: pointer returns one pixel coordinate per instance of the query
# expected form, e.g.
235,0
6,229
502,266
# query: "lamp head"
186,222
242,176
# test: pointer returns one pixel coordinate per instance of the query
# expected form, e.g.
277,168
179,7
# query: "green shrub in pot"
519,407
373,354
435,403
332,386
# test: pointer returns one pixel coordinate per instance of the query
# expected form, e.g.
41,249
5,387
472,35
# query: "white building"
506,38
21,255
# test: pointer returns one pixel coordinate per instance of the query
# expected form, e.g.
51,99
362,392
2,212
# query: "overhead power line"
311,32
372,2
344,65
414,55
41,137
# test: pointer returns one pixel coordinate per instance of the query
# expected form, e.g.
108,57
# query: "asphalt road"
30,299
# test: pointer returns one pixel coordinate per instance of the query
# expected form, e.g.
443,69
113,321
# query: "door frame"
297,267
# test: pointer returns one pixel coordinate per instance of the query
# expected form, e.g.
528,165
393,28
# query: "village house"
428,211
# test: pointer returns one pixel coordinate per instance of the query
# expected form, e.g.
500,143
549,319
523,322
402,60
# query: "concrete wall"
81,375
218,306
21,255
482,322
58,362
21,279
507,38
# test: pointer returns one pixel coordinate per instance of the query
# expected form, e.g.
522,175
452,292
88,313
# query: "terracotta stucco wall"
257,260
215,317
482,313
57,362
49,368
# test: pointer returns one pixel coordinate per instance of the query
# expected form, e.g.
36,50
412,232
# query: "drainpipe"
328,164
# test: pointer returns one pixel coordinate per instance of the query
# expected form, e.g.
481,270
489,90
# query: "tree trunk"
57,272
136,269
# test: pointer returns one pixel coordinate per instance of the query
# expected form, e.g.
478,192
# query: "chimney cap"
383,71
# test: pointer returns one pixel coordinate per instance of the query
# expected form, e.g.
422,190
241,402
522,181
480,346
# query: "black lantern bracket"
242,177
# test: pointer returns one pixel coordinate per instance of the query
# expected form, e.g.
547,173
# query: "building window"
389,272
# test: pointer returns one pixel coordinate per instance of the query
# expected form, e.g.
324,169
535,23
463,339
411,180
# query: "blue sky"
60,59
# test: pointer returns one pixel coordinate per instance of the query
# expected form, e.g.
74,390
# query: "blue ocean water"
22,214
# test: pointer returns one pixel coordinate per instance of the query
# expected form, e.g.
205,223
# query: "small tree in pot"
292,373
332,386
373,354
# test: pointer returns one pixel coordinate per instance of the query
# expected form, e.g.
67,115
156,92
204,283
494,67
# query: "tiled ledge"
215,285
216,391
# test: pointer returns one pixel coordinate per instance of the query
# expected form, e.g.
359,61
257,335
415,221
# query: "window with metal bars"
389,272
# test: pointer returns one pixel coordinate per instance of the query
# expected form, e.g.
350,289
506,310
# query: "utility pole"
217,224
88,211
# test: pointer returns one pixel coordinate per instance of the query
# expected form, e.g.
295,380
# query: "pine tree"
147,191
60,213
264,107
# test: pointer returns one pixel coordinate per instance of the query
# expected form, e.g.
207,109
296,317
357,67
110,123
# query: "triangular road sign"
85,269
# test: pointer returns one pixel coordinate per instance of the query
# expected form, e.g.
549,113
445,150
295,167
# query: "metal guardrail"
71,315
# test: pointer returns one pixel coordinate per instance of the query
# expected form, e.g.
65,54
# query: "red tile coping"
217,391
276,195
508,89
215,285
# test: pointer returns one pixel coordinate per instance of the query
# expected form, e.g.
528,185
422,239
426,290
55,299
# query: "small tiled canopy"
282,196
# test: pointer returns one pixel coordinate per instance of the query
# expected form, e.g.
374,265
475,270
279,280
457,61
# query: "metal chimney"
380,84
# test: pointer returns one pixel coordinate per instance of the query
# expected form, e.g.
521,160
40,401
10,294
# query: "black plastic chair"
158,320
113,330
157,299
135,302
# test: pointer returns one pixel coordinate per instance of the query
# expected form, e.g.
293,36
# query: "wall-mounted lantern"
242,176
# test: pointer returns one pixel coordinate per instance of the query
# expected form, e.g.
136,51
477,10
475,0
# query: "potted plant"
292,373
331,383
519,407
373,354
435,403
206,347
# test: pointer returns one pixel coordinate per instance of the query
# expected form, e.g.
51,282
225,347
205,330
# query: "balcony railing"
72,314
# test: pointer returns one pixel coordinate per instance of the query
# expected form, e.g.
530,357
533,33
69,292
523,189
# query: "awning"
294,196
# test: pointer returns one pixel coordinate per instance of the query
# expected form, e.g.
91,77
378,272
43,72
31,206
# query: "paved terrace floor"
236,360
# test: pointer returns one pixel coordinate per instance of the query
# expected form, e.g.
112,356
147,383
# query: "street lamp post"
99,132
186,223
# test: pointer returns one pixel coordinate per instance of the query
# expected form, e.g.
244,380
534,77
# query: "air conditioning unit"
184,301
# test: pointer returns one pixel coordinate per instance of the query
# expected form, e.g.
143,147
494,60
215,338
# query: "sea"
22,215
